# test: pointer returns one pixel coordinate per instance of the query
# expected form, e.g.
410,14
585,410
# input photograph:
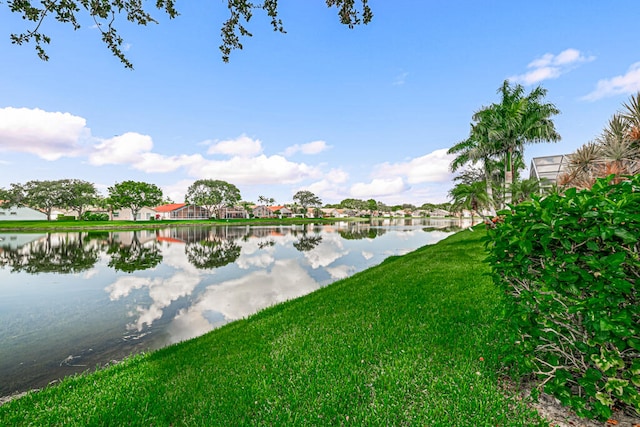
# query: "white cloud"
125,148
177,190
570,56
625,84
400,79
54,135
241,297
313,147
391,181
255,170
47,135
135,149
158,163
550,66
242,146
341,271
330,188
124,285
378,188
433,167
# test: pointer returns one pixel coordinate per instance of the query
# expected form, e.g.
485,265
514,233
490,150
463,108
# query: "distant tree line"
78,196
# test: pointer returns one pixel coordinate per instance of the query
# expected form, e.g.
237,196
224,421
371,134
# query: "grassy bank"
412,341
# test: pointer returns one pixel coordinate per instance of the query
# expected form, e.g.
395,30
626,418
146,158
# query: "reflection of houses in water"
269,231
51,253
127,238
26,243
199,234
16,241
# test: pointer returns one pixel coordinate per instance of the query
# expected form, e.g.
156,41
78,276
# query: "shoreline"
53,226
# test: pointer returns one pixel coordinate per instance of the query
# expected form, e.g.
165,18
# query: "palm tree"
477,149
631,115
269,201
582,167
472,196
615,152
524,189
518,120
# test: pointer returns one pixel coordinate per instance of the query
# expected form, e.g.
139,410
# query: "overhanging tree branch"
232,30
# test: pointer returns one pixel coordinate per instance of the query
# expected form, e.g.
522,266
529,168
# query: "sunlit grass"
413,341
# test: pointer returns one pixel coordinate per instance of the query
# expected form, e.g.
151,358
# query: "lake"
74,301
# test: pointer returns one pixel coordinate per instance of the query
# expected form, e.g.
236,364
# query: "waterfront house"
125,214
23,213
181,211
234,212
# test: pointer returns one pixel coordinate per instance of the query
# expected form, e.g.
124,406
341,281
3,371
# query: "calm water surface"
70,302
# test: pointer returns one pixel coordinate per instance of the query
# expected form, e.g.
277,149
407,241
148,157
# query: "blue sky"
362,113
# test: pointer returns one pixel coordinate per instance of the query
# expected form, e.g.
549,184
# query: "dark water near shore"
70,302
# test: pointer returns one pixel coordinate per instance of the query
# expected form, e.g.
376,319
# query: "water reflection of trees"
67,254
212,253
447,229
134,256
361,233
266,244
306,241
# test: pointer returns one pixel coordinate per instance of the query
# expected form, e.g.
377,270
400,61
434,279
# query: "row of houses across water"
182,211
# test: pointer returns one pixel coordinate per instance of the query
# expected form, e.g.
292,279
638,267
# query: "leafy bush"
569,265
95,216
65,218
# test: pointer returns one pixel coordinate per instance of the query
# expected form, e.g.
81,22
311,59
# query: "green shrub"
569,264
95,216
65,218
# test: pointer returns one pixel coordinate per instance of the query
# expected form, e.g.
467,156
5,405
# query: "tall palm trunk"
489,184
508,177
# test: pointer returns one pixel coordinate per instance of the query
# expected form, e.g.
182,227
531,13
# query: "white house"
14,213
272,212
125,214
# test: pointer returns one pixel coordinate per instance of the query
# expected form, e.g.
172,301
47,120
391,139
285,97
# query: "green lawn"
411,342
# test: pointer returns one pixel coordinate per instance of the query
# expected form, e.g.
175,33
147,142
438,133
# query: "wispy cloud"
379,188
627,83
550,66
392,181
242,146
313,147
432,167
400,79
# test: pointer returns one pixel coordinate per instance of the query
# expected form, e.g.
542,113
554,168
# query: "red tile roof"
169,240
171,207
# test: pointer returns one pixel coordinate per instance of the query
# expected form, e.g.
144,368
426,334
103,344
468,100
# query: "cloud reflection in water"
241,297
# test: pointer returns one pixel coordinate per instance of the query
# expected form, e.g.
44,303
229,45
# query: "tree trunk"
508,177
487,179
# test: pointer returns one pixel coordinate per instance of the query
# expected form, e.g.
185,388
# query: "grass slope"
411,342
